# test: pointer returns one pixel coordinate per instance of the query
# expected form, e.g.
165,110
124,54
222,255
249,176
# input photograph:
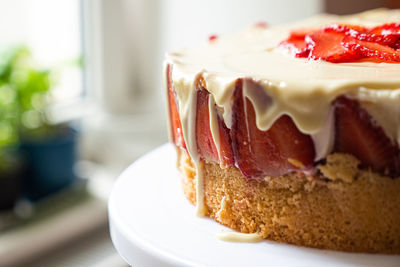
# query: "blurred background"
81,98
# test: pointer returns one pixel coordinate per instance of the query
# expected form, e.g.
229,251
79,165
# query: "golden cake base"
340,208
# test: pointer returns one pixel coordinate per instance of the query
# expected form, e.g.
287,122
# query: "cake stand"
153,224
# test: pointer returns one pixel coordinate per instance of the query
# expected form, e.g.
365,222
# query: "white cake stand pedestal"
152,224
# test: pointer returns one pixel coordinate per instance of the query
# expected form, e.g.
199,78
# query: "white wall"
185,22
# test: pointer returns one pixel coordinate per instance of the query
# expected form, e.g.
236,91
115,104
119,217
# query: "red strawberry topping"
212,37
375,51
363,34
328,46
262,24
344,43
357,134
388,28
296,45
258,153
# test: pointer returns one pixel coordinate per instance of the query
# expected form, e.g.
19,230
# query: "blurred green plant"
24,96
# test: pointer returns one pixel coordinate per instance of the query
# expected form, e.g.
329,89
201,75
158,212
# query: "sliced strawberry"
328,46
296,44
258,153
388,28
378,52
296,47
358,28
205,143
301,33
175,122
344,43
363,34
357,134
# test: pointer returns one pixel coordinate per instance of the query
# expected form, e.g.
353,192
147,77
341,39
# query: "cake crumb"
221,212
296,163
340,166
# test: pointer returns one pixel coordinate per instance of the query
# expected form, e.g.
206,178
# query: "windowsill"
52,228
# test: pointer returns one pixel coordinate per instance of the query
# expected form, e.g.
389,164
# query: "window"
52,31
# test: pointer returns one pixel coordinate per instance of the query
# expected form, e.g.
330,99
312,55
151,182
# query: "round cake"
292,131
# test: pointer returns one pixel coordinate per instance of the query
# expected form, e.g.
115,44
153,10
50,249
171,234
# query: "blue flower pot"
49,163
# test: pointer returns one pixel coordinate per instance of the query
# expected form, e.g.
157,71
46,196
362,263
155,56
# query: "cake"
291,132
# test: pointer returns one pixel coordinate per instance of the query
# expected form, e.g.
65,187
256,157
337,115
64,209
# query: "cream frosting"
239,237
277,83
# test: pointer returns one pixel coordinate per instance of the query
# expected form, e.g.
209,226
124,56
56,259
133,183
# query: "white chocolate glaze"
187,113
277,83
239,237
323,139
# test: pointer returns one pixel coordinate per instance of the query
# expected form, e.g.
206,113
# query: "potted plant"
48,149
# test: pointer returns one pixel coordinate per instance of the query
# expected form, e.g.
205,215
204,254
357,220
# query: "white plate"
152,224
